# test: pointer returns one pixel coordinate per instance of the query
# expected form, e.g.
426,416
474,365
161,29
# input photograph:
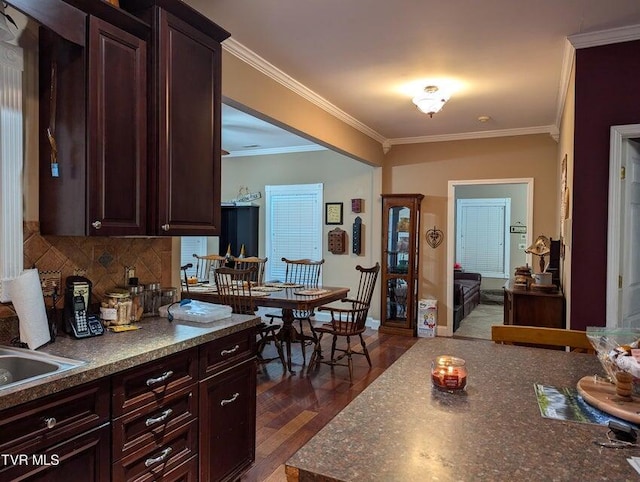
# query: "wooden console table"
532,307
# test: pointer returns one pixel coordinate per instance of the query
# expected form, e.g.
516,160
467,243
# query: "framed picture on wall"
333,213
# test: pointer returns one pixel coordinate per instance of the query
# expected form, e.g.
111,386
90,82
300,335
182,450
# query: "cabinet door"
228,422
117,131
188,127
86,456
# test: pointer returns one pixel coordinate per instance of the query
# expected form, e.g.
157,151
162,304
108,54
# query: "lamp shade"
430,101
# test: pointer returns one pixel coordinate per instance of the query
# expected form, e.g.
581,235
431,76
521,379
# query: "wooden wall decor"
337,241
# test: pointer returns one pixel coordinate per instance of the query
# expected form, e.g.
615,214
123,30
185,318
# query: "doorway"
623,239
472,188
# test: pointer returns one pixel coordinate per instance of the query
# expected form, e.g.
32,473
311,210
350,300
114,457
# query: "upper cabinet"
184,113
129,117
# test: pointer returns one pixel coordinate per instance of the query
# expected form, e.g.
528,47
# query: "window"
190,245
482,243
293,223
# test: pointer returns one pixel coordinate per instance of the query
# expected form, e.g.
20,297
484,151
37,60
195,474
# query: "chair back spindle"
303,271
204,263
234,289
253,261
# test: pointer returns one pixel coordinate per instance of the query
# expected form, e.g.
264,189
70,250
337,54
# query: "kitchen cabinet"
62,434
185,116
93,101
532,307
239,227
399,269
227,406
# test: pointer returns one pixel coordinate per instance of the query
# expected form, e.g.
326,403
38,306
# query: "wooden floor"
293,408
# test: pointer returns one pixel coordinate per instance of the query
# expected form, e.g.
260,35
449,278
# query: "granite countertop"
115,352
400,428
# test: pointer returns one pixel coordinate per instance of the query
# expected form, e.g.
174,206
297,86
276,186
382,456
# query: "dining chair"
204,263
304,272
576,340
259,263
234,289
347,320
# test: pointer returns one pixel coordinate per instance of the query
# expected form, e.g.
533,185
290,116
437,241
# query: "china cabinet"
399,271
239,226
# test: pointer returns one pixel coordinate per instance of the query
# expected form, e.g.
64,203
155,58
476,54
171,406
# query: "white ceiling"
365,59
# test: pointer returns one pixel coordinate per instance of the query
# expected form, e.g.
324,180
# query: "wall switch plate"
129,272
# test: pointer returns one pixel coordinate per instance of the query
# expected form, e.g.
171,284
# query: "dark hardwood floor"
293,408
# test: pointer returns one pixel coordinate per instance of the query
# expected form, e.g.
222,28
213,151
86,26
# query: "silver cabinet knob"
96,224
165,227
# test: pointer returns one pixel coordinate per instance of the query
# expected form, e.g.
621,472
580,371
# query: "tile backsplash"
101,259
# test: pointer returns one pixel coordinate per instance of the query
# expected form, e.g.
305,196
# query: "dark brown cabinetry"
399,270
227,406
239,227
132,96
533,308
93,102
184,112
62,434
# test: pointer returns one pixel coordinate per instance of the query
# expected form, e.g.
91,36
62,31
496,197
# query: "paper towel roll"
25,292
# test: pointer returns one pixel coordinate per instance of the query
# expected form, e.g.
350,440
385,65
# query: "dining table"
402,427
289,297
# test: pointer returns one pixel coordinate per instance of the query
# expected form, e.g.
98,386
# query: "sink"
18,366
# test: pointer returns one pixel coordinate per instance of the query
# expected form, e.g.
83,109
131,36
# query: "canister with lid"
168,296
152,299
115,309
137,294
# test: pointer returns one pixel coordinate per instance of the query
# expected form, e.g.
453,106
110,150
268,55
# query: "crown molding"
243,53
605,37
276,150
551,129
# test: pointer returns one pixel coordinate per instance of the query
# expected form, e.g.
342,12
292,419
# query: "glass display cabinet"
399,271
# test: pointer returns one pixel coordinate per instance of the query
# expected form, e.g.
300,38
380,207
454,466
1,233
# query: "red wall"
607,94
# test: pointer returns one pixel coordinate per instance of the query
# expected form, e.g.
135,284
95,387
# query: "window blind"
293,224
190,245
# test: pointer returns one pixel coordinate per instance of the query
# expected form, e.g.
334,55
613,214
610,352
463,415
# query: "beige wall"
565,147
342,178
428,168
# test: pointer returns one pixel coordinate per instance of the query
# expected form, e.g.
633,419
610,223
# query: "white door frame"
451,229
618,138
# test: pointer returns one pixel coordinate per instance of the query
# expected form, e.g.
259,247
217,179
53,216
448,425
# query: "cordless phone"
78,322
83,325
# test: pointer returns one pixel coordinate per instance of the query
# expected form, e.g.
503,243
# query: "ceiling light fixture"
430,101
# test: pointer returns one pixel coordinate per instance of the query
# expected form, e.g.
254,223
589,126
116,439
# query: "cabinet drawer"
152,422
185,472
225,352
154,381
156,459
44,422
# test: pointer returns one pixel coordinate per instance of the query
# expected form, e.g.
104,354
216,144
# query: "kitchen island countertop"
114,352
400,428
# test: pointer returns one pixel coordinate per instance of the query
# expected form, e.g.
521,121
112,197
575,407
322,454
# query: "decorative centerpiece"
449,373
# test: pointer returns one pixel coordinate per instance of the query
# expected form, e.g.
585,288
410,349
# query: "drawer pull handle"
50,422
158,419
229,352
160,458
162,378
230,400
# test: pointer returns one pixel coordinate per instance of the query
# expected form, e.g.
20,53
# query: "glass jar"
449,373
115,309
168,296
152,299
137,295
